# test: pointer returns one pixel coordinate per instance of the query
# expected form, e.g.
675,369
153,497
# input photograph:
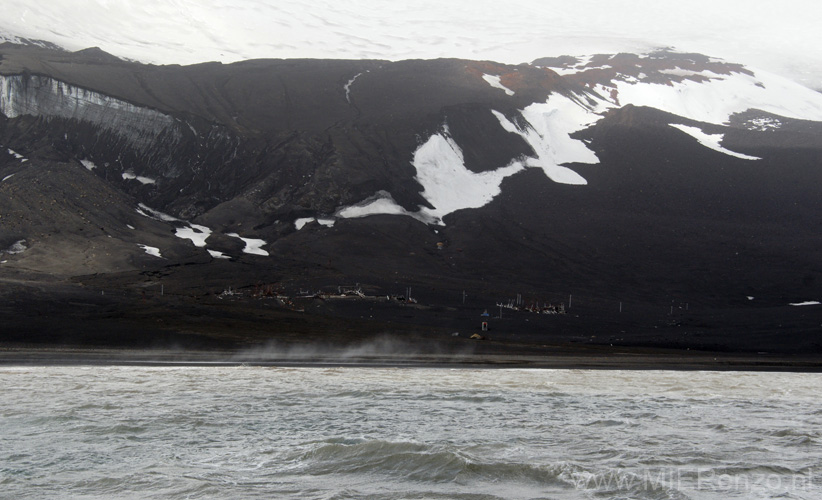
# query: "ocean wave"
420,462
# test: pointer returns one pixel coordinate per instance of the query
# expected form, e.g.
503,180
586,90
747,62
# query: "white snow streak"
218,255
381,203
155,214
88,164
7,177
139,178
494,81
252,245
711,141
300,223
808,303
153,251
347,87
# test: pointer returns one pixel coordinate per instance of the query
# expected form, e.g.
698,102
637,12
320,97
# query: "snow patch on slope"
447,184
253,246
711,141
381,203
131,176
196,233
19,246
347,87
495,81
218,255
716,100
88,164
301,222
548,130
149,212
153,251
580,66
763,124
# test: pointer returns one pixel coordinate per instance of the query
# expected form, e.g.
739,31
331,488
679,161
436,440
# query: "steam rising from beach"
385,349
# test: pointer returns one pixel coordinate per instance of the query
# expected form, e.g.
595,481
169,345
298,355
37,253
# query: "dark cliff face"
270,149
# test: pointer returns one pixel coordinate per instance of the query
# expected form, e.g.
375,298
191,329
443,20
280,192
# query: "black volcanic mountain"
683,187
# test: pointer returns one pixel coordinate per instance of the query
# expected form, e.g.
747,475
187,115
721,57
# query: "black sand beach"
58,322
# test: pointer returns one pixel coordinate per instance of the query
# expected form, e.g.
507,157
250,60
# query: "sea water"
268,432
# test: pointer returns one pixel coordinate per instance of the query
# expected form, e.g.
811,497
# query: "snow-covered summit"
693,86
194,31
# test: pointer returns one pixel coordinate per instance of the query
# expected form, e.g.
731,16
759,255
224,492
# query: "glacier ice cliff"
43,96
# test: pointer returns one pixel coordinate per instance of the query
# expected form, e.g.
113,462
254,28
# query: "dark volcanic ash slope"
650,179
256,144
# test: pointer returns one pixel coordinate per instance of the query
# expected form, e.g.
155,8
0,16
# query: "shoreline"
69,324
640,361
